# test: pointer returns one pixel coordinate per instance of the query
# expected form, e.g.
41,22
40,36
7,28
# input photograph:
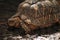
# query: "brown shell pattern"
38,13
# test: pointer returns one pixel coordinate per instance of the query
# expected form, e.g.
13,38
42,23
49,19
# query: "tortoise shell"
33,14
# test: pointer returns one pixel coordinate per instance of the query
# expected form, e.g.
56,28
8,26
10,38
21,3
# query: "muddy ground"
5,31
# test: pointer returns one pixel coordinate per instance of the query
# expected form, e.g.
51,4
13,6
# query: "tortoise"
34,14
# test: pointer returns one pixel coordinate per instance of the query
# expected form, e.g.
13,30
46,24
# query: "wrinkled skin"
36,14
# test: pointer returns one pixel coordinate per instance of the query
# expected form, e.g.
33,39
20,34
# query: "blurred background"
8,8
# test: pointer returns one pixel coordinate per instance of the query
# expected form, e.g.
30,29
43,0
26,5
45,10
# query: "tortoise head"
14,22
